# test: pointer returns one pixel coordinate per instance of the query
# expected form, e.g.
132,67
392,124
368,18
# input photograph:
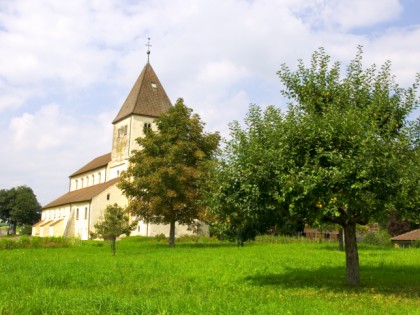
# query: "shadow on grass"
397,280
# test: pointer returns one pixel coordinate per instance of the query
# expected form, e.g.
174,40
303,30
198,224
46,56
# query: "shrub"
380,238
38,242
26,229
7,243
24,242
284,239
160,237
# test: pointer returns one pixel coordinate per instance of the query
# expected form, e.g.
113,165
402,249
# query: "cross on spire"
148,48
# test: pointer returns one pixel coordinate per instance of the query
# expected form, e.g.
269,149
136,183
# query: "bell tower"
146,101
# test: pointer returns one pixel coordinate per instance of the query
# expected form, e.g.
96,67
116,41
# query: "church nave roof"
84,194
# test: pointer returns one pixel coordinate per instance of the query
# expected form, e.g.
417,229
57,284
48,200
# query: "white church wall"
116,170
88,179
53,221
137,129
81,219
120,141
109,196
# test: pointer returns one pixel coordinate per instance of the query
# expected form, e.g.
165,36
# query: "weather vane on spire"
148,48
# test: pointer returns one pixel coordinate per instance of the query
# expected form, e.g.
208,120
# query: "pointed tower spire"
146,98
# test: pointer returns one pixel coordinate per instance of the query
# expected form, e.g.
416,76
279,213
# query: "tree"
164,177
115,223
19,206
348,155
242,198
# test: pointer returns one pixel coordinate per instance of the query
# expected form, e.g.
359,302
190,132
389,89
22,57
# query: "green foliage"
25,229
115,223
163,179
381,238
244,187
19,206
344,153
37,242
160,237
216,278
348,154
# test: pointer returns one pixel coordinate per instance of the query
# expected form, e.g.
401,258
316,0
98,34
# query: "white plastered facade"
94,186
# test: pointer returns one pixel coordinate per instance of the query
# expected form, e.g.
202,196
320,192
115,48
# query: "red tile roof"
79,195
147,97
409,236
96,163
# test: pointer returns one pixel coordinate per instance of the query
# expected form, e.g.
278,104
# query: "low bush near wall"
282,239
37,242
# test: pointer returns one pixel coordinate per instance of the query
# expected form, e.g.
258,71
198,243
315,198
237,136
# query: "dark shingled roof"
84,194
409,236
96,163
147,97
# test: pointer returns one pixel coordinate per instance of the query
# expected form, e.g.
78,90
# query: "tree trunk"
172,234
14,224
340,239
352,256
114,245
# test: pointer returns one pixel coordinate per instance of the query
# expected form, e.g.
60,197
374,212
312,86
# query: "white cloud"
344,15
48,145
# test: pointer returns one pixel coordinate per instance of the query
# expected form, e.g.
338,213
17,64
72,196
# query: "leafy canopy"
164,178
348,154
19,205
243,199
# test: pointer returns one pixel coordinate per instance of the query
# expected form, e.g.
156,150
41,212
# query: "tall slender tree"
164,177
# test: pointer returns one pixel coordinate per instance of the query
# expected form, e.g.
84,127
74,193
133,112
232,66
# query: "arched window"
82,182
86,213
77,184
99,177
87,181
77,214
93,179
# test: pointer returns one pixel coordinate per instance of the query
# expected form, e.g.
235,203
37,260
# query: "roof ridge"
93,164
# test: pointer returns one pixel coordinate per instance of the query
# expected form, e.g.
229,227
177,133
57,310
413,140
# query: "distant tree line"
19,206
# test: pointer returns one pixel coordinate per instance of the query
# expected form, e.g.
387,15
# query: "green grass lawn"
147,277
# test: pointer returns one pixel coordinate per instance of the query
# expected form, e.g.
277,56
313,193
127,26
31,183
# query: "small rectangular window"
147,128
108,196
77,214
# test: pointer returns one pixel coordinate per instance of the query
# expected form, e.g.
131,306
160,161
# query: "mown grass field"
147,277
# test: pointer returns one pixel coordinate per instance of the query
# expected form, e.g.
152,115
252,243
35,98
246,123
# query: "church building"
94,186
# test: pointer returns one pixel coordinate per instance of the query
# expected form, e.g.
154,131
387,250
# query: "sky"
66,67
